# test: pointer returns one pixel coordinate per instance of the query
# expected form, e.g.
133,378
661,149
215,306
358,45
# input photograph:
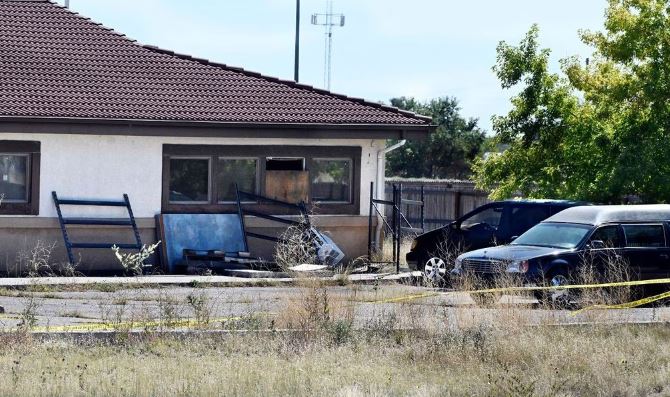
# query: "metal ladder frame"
69,245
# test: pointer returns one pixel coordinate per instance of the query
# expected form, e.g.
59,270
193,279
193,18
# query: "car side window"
608,235
644,235
490,216
526,216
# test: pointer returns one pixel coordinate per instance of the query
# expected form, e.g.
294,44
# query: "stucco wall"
106,166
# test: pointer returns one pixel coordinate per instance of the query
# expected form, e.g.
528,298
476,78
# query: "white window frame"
28,177
351,180
258,176
209,178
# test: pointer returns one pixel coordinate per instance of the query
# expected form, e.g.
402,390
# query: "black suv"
552,251
491,224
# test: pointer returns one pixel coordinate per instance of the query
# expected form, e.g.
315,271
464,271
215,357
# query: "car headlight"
458,263
518,267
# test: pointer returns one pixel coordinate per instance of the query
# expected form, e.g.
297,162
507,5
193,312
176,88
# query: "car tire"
435,272
558,299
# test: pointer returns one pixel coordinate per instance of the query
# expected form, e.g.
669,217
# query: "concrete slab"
246,277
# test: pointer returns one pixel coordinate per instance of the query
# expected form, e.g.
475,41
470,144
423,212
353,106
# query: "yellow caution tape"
573,286
127,325
406,298
627,305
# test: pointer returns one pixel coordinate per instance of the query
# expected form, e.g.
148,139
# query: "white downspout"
381,186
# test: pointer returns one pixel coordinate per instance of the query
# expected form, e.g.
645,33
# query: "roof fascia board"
210,129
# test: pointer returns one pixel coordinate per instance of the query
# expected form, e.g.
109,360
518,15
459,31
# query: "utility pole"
296,65
329,20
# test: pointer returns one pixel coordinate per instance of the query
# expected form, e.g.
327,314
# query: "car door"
646,249
604,249
481,228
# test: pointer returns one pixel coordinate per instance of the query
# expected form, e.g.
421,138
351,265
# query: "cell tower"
328,20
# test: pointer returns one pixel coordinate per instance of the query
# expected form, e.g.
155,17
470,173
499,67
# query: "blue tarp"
204,232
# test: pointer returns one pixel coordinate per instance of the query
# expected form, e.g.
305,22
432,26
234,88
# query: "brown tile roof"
55,63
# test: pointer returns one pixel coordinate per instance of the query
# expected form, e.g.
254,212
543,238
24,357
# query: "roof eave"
138,127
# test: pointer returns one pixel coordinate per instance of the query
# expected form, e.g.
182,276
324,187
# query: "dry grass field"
319,338
331,361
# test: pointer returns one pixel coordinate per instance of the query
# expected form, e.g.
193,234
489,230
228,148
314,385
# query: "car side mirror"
597,244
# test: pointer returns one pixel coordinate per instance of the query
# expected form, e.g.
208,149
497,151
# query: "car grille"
483,265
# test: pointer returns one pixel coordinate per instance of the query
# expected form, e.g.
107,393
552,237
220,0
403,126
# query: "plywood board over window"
289,186
327,175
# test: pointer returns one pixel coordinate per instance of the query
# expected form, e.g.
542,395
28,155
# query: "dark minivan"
552,251
493,223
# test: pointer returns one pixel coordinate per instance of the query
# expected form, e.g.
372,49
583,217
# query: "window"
608,235
189,180
331,180
644,235
14,177
558,235
242,172
19,177
285,164
526,216
490,217
202,178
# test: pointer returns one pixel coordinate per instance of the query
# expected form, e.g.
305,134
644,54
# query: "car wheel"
435,271
557,298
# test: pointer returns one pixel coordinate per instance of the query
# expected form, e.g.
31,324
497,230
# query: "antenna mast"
328,20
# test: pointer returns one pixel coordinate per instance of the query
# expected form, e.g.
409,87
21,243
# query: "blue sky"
388,48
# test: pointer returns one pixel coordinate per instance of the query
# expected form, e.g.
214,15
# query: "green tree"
447,152
595,132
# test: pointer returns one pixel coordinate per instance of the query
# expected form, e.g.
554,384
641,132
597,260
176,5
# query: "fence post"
457,204
394,225
399,229
370,232
423,206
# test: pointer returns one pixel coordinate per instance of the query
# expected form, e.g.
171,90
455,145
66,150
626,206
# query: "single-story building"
89,113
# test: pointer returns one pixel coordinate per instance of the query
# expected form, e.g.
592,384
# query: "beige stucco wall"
106,166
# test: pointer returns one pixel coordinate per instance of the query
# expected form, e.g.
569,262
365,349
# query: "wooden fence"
445,200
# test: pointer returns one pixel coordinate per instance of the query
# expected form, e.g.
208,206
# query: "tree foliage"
598,131
446,153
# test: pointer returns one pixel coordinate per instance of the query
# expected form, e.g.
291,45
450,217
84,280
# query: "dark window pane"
490,216
644,235
526,216
232,171
285,164
189,180
608,235
331,180
14,178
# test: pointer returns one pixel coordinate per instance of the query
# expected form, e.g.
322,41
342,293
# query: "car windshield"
559,235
